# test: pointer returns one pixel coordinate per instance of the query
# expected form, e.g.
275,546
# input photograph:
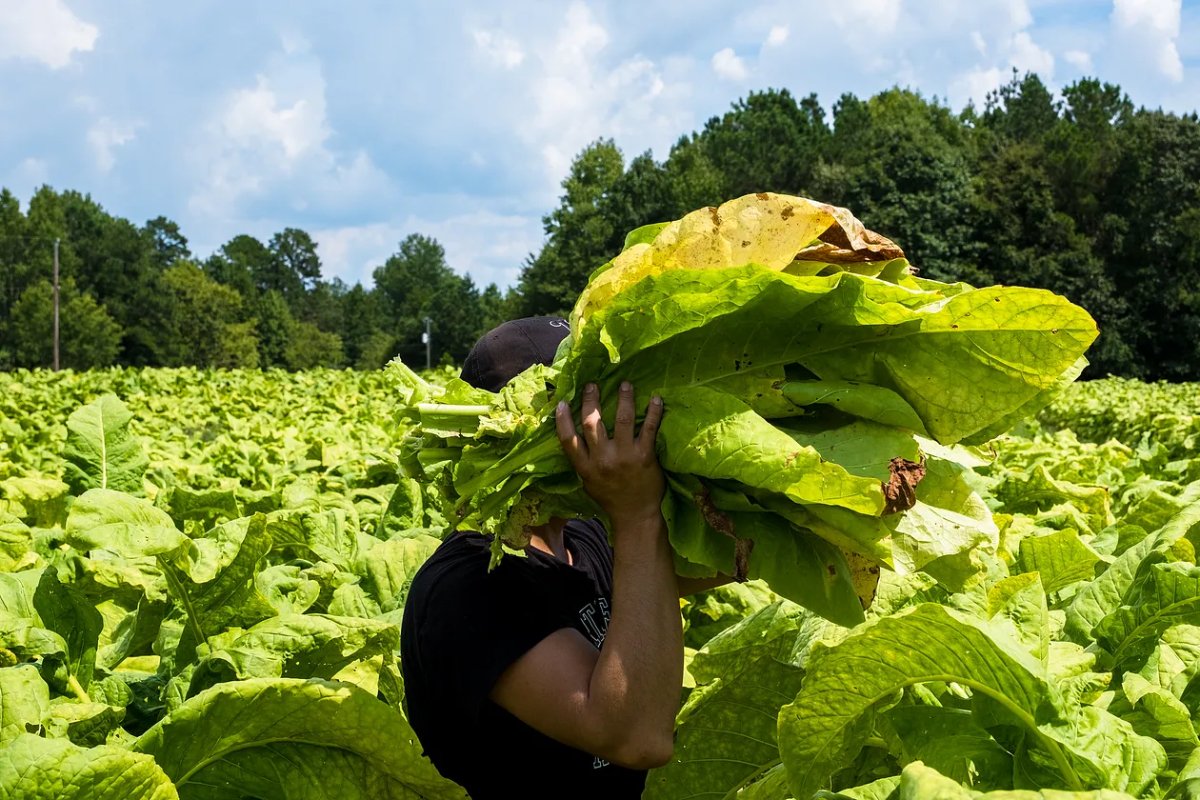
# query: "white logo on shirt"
594,617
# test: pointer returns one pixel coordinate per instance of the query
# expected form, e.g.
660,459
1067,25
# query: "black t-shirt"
464,626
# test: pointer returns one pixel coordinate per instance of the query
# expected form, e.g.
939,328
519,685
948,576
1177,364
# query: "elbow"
645,752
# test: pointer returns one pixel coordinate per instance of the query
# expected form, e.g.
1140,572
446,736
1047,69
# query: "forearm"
635,684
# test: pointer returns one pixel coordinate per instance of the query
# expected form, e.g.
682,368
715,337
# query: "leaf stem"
77,689
1053,747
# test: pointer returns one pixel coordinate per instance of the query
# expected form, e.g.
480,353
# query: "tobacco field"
201,576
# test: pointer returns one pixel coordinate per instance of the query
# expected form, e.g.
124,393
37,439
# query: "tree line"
1083,194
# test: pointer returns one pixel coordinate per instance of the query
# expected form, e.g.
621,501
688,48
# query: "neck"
549,539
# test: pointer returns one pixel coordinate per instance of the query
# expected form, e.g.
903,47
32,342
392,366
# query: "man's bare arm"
618,703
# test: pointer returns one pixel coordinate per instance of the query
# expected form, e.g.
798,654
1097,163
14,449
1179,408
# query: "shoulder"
589,540
460,551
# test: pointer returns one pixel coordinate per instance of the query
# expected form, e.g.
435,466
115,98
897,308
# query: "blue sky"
362,122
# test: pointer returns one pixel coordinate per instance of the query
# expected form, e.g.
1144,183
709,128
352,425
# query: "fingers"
592,424
595,439
572,445
626,413
649,431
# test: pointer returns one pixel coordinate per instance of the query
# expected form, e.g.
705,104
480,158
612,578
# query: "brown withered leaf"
848,241
723,524
900,492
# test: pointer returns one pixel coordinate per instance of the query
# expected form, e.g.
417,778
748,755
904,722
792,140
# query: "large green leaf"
1187,784
1165,595
1061,559
72,616
960,363
301,646
100,451
43,501
323,534
388,568
24,700
231,596
716,436
358,747
1175,662
33,768
104,519
875,403
1039,491
1096,600
823,729
726,732
1157,713
919,782
950,741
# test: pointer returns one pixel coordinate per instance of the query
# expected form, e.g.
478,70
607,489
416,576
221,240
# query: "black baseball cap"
509,349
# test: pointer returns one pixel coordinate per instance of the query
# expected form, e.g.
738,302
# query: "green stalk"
1052,747
77,690
448,410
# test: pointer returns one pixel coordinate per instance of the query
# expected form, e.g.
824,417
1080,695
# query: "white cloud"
729,66
571,92
500,48
1079,59
1150,28
105,136
1002,50
273,138
488,246
777,36
880,17
1026,56
45,31
352,253
255,117
975,84
29,174
979,42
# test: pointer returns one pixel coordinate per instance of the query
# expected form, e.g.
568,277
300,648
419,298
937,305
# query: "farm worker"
557,674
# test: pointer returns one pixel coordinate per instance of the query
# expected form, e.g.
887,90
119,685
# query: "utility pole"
428,337
56,305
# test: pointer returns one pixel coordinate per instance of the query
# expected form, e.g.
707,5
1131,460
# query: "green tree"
640,196
767,143
366,343
1022,109
1152,202
1025,239
578,234
88,335
273,327
376,350
237,346
296,265
14,270
167,243
240,263
494,308
309,347
1083,150
416,283
694,181
901,165
199,321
